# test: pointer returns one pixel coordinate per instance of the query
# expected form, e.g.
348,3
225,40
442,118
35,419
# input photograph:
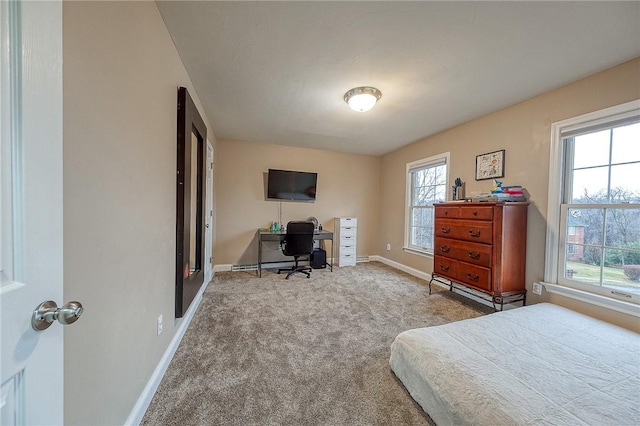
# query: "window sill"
418,252
594,299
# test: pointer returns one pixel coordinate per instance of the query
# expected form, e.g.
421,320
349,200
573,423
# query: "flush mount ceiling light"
362,98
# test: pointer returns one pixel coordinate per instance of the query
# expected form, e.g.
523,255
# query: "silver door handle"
48,312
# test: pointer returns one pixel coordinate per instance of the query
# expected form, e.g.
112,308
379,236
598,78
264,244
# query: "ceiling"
276,72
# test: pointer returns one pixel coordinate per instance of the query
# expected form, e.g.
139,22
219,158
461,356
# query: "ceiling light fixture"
362,98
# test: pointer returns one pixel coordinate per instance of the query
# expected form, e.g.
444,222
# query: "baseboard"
222,268
403,268
137,413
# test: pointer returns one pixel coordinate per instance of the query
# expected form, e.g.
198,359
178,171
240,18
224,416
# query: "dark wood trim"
189,120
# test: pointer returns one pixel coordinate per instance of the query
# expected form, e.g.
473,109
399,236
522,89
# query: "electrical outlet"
537,288
388,247
159,324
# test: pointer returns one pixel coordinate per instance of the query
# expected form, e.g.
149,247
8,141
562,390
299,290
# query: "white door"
208,236
31,215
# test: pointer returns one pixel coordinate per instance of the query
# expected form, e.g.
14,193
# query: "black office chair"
298,242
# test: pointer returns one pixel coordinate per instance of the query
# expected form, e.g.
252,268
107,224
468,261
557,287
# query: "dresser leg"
499,300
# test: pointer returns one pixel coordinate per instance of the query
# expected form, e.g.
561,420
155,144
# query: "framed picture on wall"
490,165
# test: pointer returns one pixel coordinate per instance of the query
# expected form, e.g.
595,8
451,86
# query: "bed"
539,364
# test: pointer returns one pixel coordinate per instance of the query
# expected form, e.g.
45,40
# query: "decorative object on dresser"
346,230
482,247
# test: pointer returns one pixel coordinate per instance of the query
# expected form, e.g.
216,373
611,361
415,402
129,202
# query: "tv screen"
291,185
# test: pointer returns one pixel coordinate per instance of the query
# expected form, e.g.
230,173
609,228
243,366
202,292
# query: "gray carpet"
270,351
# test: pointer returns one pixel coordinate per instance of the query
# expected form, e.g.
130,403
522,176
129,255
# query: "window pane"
440,175
587,224
422,195
625,183
591,149
441,193
618,276
623,228
626,144
575,253
422,237
584,271
590,185
422,227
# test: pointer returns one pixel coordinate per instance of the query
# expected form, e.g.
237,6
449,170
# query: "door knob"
48,312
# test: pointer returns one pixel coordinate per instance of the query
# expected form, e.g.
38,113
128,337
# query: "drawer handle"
445,249
473,277
446,212
473,233
444,268
475,213
475,255
445,230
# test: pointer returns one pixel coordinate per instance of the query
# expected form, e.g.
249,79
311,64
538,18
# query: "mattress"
539,364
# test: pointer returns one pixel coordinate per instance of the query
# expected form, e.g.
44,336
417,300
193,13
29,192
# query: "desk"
321,236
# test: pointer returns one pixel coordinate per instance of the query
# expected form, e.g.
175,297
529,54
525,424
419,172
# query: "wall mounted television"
290,185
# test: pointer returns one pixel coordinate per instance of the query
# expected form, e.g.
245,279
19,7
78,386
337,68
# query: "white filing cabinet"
346,237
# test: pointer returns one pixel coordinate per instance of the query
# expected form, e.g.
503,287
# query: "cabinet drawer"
347,259
346,240
347,231
445,266
478,254
477,213
347,222
474,276
348,249
452,212
468,230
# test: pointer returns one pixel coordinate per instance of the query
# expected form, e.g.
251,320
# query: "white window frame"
413,166
554,248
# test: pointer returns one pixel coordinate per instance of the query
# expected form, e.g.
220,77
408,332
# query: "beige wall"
347,186
121,73
524,130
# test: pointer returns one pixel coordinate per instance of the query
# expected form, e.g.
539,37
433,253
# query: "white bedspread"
540,364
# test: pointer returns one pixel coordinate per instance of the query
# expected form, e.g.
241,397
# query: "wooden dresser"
482,246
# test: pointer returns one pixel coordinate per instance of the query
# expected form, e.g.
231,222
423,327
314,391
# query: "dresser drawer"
452,212
474,276
476,212
347,231
478,254
445,266
347,249
346,240
468,230
347,259
347,222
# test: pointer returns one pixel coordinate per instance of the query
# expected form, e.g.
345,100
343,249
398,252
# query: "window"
594,203
426,184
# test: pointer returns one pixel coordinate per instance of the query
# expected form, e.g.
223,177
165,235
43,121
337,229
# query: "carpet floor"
303,351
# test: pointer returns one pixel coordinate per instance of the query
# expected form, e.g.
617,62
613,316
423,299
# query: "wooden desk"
321,236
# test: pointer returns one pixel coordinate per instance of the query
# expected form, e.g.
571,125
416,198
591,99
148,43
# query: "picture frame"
490,165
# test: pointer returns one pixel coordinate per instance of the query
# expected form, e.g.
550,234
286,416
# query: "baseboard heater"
239,268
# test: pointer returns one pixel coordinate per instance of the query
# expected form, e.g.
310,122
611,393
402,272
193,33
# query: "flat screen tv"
291,185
